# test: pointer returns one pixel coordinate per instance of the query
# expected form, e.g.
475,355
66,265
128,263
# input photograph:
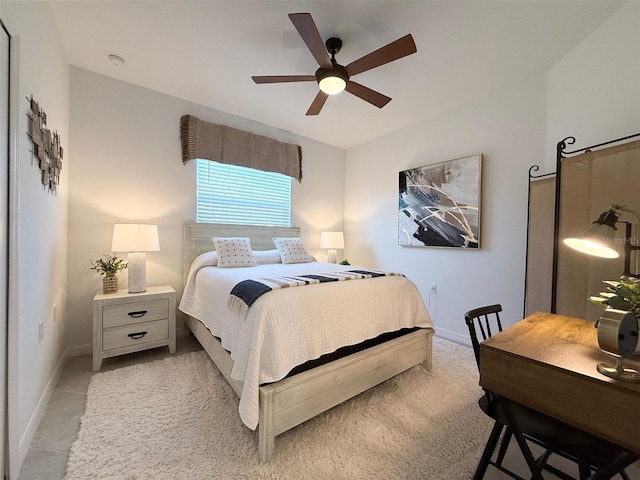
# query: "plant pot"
110,284
618,333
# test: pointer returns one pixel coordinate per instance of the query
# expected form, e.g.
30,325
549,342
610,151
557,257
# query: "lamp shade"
593,241
334,240
130,237
332,85
332,80
597,239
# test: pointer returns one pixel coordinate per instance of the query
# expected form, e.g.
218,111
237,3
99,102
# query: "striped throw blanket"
246,292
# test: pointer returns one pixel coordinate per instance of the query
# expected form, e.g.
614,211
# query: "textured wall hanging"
46,147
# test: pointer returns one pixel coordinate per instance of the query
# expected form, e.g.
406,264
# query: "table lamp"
331,241
136,239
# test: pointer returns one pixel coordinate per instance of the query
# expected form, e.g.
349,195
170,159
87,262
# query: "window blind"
242,196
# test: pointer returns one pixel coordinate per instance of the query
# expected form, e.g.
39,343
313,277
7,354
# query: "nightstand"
126,322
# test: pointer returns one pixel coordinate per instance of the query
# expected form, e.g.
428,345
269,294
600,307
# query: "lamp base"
331,255
618,372
137,272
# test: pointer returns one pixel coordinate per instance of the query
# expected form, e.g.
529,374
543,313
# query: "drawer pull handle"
137,335
138,314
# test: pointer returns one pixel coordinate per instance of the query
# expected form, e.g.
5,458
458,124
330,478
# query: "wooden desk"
548,362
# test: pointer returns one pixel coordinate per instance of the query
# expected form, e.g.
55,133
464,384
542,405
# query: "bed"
274,396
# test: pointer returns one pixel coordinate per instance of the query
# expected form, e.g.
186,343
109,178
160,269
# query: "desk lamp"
332,241
617,329
137,240
597,240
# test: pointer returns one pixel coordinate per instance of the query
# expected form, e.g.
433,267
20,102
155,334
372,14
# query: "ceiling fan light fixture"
332,85
332,77
332,80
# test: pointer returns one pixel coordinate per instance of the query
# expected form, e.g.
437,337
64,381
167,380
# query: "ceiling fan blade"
317,103
284,78
366,94
309,32
400,48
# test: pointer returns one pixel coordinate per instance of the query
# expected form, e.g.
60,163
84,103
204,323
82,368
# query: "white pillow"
234,252
265,257
292,250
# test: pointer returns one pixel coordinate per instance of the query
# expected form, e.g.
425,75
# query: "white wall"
592,94
41,260
126,140
508,129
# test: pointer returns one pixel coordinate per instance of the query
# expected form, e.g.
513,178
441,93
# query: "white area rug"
178,419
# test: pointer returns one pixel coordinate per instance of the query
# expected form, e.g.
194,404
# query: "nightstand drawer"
126,335
127,313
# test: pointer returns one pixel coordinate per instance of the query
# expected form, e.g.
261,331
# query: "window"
240,195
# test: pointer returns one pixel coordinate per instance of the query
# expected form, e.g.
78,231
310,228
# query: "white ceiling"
207,51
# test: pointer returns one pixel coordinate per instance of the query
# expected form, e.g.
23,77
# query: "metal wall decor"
46,146
439,205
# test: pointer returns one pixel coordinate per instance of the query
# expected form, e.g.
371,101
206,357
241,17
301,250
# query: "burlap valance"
228,145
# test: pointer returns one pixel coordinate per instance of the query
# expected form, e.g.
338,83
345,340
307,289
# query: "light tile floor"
47,456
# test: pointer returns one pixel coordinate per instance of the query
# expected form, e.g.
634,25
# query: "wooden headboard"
197,238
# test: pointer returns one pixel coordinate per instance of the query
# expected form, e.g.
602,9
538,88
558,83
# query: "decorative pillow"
265,257
292,250
234,252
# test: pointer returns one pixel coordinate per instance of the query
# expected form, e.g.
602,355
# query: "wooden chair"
589,452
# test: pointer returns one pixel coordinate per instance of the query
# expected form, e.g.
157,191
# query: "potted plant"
108,266
618,327
623,295
621,299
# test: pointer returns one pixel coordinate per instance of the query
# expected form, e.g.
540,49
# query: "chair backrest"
487,321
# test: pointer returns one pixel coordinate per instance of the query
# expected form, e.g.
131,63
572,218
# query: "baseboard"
34,421
32,427
453,336
86,349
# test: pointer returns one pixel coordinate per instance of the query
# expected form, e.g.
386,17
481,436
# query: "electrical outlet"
433,289
40,331
54,313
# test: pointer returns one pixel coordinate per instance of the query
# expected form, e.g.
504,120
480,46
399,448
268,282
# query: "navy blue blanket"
246,292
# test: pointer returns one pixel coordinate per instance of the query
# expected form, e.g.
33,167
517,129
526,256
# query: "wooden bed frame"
296,399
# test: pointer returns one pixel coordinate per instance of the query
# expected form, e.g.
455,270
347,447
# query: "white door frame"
5,186
11,447
13,439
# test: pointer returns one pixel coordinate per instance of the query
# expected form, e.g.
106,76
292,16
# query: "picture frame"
439,204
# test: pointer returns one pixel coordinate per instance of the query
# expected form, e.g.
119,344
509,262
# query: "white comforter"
285,328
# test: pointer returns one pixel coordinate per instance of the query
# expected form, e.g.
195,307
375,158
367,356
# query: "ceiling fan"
331,76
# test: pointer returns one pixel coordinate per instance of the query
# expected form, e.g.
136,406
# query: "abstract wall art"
439,204
46,146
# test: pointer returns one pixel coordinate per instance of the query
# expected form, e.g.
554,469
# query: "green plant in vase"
623,295
108,266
